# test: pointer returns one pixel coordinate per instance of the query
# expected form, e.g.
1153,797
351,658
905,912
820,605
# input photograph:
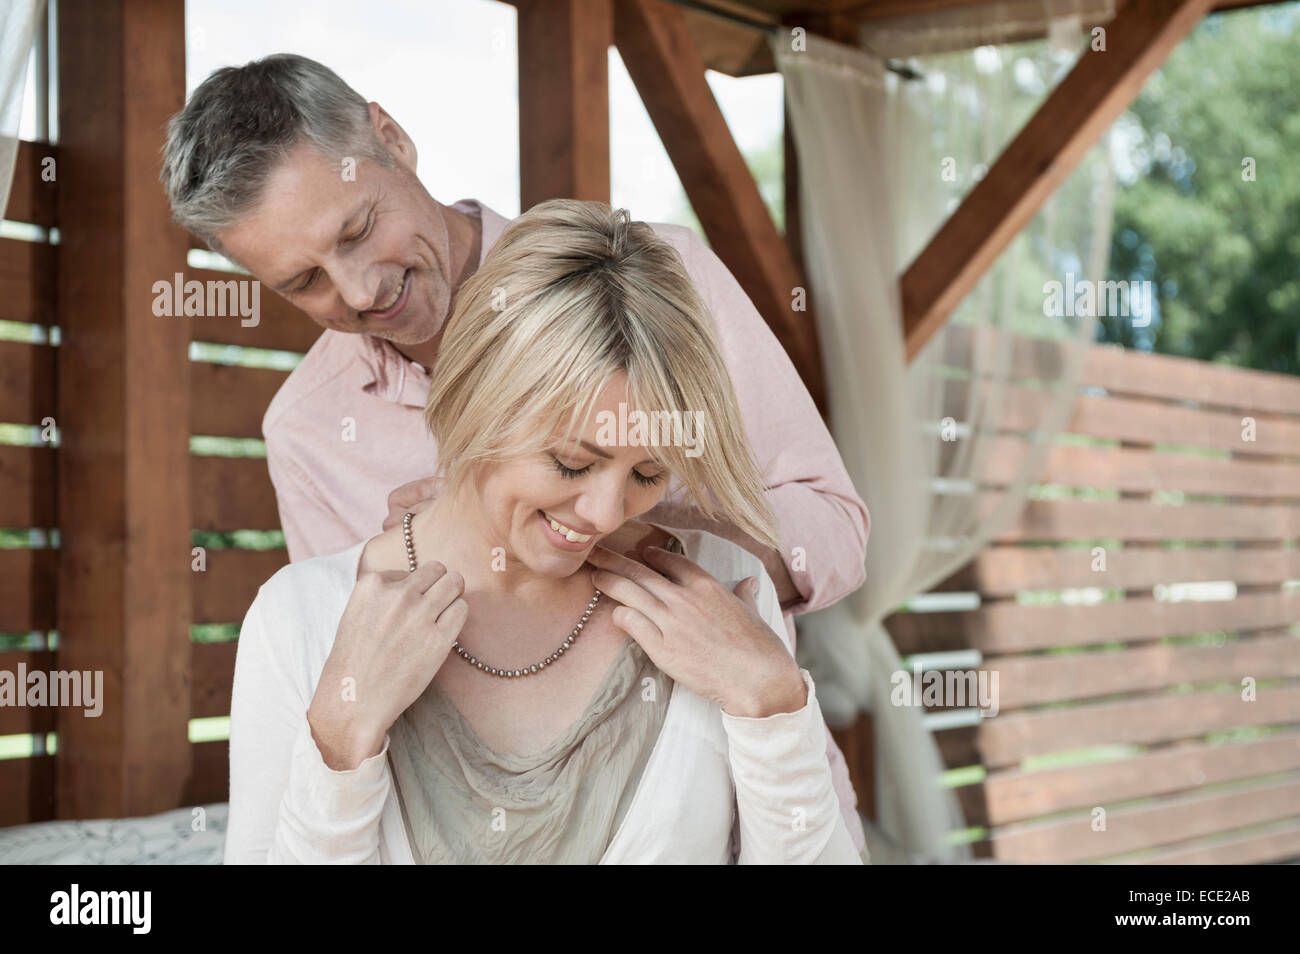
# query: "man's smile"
396,301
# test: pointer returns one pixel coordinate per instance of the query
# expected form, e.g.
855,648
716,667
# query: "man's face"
362,253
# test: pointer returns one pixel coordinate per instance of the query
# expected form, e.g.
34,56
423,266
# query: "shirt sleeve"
786,805
286,805
823,522
311,527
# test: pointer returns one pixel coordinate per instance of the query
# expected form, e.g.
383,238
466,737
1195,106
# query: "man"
285,169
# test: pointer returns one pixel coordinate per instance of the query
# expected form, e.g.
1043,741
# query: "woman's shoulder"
292,621
314,583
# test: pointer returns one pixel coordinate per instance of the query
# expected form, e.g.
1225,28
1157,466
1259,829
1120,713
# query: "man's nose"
357,290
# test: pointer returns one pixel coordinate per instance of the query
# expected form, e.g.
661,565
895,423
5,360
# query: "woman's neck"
453,532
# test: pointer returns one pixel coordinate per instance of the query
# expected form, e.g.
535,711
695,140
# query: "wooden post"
564,99
793,206
123,399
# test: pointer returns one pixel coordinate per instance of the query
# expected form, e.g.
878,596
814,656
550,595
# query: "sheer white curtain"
882,162
16,28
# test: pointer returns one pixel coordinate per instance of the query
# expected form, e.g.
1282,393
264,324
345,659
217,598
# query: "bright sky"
446,71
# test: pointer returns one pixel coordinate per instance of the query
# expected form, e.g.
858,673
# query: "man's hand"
411,498
688,518
631,539
706,637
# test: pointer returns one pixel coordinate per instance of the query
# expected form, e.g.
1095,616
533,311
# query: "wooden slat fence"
228,493
1130,709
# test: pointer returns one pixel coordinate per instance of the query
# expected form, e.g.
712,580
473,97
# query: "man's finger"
414,490
747,590
622,590
633,537
638,573
397,510
677,567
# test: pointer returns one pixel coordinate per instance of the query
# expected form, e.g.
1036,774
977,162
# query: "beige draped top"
464,803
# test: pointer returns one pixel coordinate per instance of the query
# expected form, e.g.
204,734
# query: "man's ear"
393,137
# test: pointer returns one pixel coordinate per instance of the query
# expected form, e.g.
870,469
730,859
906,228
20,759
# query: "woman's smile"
562,536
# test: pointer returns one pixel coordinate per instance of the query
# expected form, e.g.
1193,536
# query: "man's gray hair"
242,120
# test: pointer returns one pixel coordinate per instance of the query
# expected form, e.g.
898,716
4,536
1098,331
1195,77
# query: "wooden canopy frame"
562,76
126,485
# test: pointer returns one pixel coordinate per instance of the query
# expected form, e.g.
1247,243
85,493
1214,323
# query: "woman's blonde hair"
571,295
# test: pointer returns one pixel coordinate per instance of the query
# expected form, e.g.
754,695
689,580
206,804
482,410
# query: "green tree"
1212,216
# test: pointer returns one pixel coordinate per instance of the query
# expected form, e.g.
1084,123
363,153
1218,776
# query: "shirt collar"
391,375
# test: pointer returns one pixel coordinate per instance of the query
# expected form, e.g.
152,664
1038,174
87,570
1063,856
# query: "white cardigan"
717,788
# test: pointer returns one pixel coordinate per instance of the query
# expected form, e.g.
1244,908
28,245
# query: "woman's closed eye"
569,473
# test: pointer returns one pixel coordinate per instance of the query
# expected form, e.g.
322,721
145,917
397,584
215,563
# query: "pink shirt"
347,427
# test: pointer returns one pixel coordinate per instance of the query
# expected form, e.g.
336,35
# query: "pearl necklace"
460,650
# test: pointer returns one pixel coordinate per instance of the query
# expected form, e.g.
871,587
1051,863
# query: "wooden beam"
668,71
123,398
1100,86
564,99
729,47
887,9
729,33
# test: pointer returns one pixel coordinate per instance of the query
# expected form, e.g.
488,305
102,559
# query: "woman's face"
549,509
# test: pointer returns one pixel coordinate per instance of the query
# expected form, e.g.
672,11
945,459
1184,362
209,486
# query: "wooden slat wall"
1194,779
231,493
228,493
28,479
280,326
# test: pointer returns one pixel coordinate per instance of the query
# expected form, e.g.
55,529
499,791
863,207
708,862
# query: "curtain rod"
894,66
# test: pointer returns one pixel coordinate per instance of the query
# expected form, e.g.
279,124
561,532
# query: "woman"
489,682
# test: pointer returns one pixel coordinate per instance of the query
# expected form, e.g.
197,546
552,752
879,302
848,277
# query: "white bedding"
165,839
